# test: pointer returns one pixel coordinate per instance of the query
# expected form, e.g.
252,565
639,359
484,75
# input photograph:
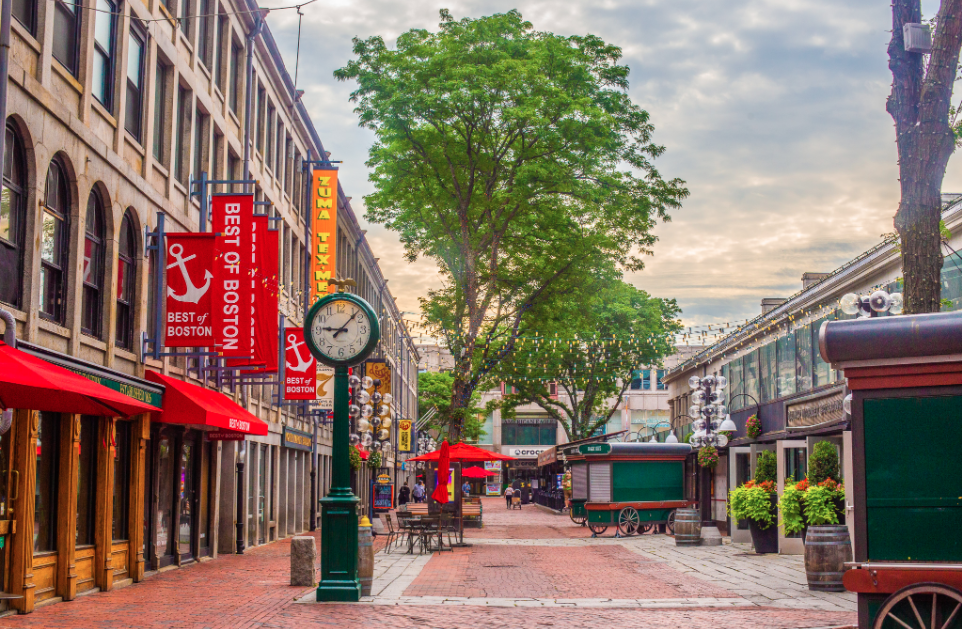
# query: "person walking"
403,495
466,489
508,492
419,492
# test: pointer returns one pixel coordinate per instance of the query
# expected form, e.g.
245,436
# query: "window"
736,385
126,275
185,17
53,243
803,358
796,463
768,373
203,32
26,13
93,266
821,370
750,373
200,144
133,116
646,379
660,384
261,101
12,219
66,34
102,80
45,512
121,480
183,128
235,70
160,104
269,157
786,365
87,479
219,53
527,432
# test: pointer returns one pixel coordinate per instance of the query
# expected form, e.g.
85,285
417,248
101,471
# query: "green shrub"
752,503
766,467
790,506
823,463
820,505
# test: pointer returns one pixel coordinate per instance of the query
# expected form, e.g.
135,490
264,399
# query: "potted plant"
756,501
823,466
753,426
708,457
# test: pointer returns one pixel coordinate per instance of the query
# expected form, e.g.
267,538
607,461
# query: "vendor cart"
905,377
631,486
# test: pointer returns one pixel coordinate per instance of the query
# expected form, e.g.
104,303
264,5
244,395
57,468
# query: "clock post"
340,330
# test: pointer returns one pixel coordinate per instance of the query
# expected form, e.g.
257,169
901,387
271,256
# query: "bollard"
365,555
303,561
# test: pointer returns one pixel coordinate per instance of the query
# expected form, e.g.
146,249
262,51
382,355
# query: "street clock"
341,330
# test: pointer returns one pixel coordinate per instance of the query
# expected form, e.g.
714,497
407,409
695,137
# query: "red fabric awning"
186,403
476,472
462,452
32,383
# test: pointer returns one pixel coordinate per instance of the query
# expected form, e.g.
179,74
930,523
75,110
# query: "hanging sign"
264,291
383,494
300,369
325,387
190,278
405,440
232,218
225,435
298,440
323,231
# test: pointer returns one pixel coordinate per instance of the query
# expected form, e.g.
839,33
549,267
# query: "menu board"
383,496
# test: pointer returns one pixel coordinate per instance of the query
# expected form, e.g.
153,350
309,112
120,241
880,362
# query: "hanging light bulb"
366,411
721,382
363,397
728,424
354,411
694,382
367,382
367,440
355,438
376,398
383,435
353,381
363,425
879,301
388,398
896,305
849,303
386,423
847,404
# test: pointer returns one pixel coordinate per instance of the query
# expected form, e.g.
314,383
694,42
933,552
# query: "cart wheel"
940,606
597,529
644,528
577,519
628,521
670,526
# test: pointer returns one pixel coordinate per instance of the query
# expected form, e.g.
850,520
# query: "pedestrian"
508,492
404,495
466,488
419,492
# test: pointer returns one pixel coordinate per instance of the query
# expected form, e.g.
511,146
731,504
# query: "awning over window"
186,403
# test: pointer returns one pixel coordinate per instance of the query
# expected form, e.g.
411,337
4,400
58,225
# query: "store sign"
548,457
297,440
232,218
325,387
492,466
130,390
595,448
383,495
323,231
405,435
809,412
190,278
225,435
300,368
526,453
492,489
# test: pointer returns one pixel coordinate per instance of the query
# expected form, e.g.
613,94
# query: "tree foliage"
766,467
515,160
823,464
434,390
587,345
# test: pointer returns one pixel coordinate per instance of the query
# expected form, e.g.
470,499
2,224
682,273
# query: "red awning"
32,383
186,403
462,452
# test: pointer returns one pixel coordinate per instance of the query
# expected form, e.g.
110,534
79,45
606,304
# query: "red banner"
300,369
264,324
190,286
232,217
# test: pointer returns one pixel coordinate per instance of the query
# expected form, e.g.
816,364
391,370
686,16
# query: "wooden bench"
472,510
417,508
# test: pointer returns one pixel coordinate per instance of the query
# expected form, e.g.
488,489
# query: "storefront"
524,470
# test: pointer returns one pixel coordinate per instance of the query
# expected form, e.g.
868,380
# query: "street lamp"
872,305
241,458
708,411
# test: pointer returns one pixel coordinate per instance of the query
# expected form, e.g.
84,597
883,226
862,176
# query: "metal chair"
392,534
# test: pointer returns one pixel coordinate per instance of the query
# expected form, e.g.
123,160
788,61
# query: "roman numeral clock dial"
342,329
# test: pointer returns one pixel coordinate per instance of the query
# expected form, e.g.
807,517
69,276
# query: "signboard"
224,435
528,452
189,264
130,390
595,448
300,368
405,435
814,411
297,439
492,466
232,217
325,387
265,289
492,489
383,495
323,231
548,457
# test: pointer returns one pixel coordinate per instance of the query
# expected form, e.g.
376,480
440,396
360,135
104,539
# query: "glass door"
262,495
185,527
165,501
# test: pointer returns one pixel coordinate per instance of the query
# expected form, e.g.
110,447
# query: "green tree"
766,467
434,390
587,345
516,161
823,463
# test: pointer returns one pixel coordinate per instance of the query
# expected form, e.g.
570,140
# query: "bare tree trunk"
920,107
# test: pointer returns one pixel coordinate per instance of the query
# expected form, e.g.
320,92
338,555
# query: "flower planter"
765,540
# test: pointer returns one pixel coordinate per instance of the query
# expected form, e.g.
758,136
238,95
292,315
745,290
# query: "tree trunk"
460,398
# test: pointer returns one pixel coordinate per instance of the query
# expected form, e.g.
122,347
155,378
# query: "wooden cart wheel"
644,528
577,519
921,606
597,529
671,523
628,521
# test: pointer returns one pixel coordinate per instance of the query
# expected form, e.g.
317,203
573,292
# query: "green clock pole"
339,581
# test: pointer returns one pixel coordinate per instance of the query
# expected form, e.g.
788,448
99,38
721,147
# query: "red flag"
189,264
232,217
300,368
444,472
266,308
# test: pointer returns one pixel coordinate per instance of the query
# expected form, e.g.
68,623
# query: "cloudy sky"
773,111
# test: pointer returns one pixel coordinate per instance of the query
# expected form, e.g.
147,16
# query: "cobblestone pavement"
557,581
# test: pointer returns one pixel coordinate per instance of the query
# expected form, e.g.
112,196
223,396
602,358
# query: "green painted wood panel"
913,478
648,480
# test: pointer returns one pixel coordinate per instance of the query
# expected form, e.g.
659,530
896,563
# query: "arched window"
54,231
126,275
93,266
12,218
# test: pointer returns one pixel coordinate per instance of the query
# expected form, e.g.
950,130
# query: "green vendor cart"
631,486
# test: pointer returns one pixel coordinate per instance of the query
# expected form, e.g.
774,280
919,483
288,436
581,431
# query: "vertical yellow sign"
323,231
404,440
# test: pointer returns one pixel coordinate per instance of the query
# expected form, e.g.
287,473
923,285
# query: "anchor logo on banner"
302,364
192,294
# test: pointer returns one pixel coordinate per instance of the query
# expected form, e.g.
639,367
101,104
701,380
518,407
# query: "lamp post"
871,305
241,457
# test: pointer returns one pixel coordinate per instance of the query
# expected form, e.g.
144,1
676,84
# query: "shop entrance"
175,495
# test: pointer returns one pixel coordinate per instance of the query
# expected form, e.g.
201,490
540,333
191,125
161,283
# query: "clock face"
341,330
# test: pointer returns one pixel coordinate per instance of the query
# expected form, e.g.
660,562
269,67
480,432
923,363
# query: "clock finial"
342,284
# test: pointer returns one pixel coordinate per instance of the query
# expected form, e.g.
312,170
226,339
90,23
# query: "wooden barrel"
687,527
827,548
365,557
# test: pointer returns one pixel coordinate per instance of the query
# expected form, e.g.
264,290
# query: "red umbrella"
29,382
444,470
465,454
475,472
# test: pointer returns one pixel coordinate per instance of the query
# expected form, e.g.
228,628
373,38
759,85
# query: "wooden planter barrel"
687,527
365,558
827,548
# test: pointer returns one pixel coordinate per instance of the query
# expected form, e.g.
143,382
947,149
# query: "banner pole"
158,287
